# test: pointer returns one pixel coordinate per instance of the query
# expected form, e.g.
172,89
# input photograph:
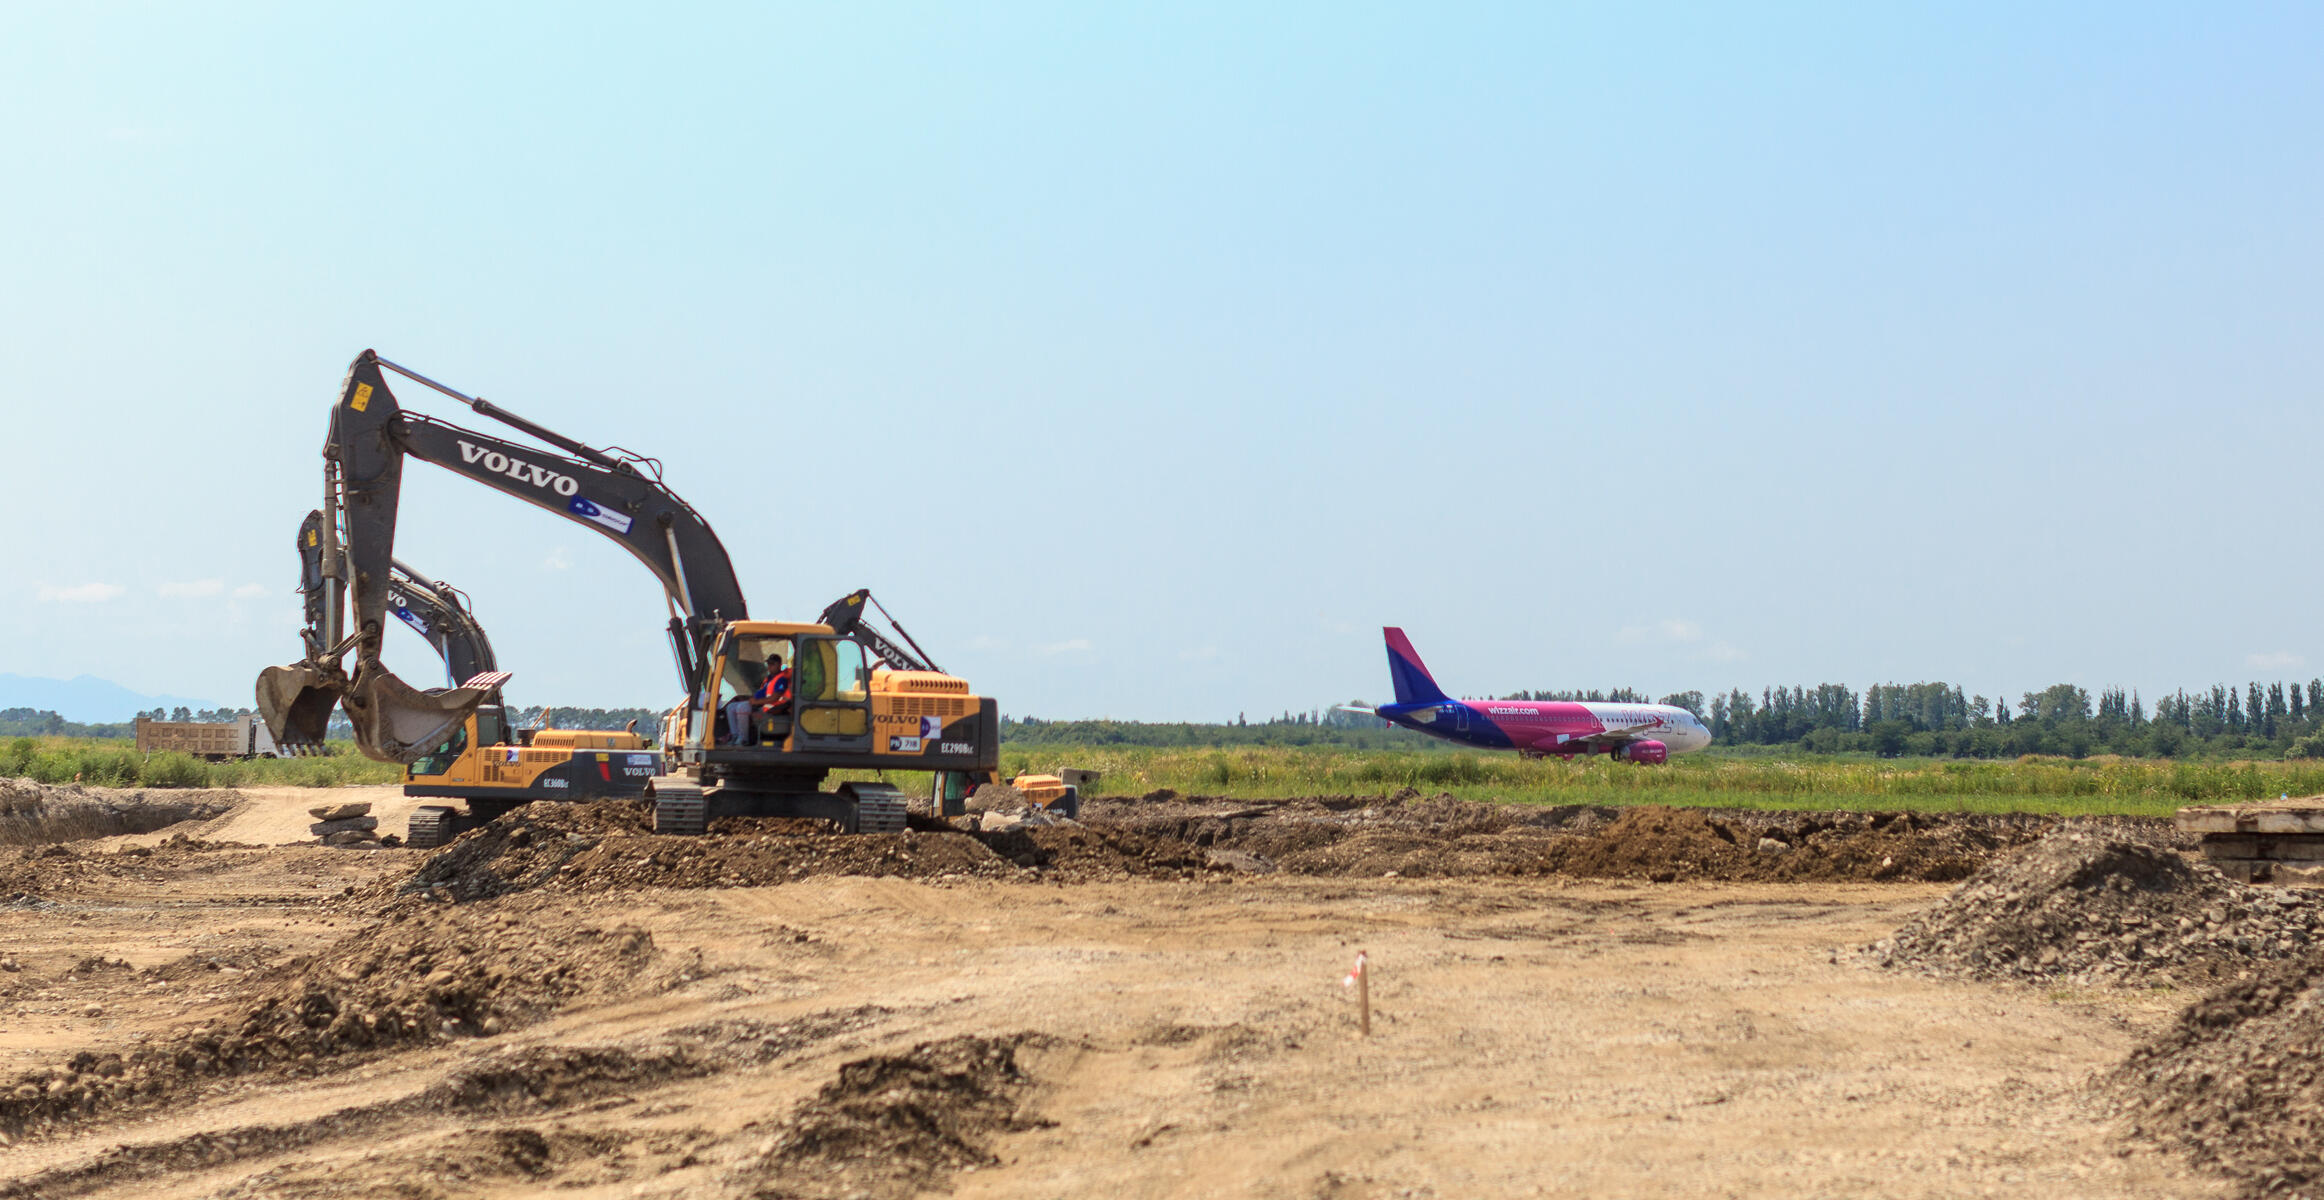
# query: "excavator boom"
350,544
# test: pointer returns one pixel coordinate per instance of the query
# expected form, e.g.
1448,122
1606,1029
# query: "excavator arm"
438,612
847,618
435,610
617,496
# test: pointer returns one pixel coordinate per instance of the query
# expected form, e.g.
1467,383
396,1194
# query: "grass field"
114,762
2153,787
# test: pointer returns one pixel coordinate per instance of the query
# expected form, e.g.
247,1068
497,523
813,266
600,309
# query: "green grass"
115,762
2149,787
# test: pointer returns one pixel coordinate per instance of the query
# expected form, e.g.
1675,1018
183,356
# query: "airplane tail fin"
1414,685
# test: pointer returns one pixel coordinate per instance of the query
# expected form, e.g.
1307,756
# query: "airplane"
1638,733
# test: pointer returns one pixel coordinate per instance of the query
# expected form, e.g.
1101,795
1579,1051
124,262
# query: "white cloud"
252,591
985,641
2275,660
1675,632
193,589
1669,630
1068,646
80,593
558,560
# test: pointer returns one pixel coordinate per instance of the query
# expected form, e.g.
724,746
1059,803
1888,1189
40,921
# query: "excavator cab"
833,695
741,664
831,700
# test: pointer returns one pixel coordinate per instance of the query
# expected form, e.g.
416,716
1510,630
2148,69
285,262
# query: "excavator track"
431,826
680,810
879,807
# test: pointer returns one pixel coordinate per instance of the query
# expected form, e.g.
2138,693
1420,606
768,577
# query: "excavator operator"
771,697
774,696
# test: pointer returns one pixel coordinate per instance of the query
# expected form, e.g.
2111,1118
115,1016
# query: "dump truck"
243,737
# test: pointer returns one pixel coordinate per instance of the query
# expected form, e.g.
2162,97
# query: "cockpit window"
746,664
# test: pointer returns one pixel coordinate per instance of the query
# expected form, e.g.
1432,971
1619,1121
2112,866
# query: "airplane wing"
1607,737
1355,708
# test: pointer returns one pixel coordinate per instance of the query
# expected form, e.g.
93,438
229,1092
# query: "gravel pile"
2090,907
2238,1082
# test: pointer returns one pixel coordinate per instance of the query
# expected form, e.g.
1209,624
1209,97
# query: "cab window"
440,760
746,664
833,670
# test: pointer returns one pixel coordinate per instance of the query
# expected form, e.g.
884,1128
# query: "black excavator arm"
614,494
438,612
435,610
847,618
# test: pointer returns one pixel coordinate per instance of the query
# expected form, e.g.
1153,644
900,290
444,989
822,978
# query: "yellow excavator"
487,765
771,708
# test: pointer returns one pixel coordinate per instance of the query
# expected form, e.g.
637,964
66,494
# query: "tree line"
1941,719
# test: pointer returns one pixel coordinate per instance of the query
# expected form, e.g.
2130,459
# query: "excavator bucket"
296,703
398,723
393,721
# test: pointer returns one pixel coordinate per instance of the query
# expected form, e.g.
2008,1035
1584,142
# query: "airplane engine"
1644,752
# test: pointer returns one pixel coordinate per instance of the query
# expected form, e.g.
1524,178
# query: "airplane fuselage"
1562,727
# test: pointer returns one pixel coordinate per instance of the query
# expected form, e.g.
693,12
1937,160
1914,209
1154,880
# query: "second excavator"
487,765
772,708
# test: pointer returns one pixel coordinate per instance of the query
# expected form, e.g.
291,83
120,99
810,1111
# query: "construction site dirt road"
1148,1004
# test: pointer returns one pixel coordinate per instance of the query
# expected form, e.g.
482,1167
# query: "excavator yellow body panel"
559,764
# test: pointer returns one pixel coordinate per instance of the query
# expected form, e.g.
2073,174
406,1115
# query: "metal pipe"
487,408
678,562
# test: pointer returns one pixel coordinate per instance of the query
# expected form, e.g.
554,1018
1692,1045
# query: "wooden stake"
1363,994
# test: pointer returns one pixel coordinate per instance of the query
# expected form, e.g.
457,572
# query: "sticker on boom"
590,511
362,398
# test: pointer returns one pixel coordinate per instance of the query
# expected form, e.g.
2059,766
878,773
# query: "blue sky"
1146,360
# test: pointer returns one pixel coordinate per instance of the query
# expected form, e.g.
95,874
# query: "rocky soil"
2237,1083
611,846
2090,906
418,975
1146,1002
897,1124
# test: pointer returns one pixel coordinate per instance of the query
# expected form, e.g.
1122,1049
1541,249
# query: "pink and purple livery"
1639,733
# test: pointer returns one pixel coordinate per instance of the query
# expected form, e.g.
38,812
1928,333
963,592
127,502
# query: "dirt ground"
207,1011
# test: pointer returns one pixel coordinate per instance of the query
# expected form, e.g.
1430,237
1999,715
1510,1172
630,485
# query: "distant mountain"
84,698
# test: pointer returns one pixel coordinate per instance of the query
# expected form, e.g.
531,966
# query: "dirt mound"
2094,907
896,1125
2238,1082
33,813
57,869
610,846
1440,836
535,1077
1665,844
747,860
419,975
